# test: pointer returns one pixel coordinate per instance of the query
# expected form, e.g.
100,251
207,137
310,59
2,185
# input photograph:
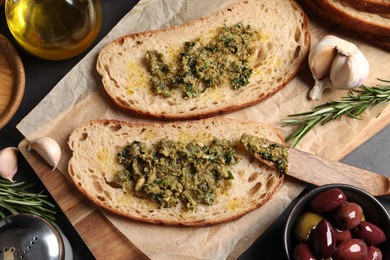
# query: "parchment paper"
79,97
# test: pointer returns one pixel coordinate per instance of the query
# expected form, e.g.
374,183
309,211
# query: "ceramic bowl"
373,211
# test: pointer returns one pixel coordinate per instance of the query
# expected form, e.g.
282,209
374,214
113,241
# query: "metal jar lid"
26,236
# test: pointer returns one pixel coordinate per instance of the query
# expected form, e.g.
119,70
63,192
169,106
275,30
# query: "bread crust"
372,6
376,39
292,41
380,41
96,143
349,17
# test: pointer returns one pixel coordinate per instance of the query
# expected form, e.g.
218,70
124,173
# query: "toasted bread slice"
352,18
372,6
95,146
281,51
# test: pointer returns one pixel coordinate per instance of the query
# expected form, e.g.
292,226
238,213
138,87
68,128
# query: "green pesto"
170,172
272,152
223,60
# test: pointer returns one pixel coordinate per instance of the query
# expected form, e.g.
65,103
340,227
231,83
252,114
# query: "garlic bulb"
48,148
9,162
336,63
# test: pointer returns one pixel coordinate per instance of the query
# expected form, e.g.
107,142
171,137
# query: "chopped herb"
170,171
223,60
275,153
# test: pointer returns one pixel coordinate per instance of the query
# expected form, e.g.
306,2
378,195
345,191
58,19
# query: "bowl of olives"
337,221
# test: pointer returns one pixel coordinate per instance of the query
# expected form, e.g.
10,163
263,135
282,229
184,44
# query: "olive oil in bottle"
54,29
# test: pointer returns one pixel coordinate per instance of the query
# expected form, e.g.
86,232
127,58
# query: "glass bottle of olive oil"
54,29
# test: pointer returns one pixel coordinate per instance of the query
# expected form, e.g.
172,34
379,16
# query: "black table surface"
43,75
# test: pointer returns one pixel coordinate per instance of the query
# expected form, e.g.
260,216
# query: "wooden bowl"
12,80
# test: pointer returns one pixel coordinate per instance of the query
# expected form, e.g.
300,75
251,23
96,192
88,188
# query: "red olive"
348,216
327,201
374,253
342,235
323,239
303,252
370,233
351,249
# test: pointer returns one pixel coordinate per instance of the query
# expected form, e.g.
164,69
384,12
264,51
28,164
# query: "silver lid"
26,236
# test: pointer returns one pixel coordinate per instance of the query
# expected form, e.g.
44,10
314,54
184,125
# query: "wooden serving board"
12,80
85,216
101,237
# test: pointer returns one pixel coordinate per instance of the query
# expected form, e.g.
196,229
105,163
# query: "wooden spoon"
320,171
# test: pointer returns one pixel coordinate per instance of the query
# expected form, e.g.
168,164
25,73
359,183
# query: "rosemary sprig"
352,105
15,198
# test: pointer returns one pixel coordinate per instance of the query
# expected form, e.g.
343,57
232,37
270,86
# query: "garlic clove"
339,59
320,60
319,87
48,148
343,71
349,71
346,48
364,68
8,162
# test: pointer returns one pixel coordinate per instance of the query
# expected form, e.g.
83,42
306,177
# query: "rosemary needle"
352,105
15,198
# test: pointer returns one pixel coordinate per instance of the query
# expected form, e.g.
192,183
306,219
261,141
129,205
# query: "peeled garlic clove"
48,148
8,162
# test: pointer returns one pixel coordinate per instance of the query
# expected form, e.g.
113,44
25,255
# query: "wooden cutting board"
101,237
85,216
12,80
